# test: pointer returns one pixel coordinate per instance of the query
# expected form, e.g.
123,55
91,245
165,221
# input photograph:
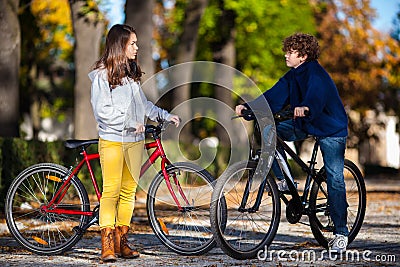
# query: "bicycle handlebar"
157,129
285,114
247,114
152,129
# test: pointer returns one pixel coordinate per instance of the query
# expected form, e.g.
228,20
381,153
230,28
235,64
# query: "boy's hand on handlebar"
301,111
175,119
239,108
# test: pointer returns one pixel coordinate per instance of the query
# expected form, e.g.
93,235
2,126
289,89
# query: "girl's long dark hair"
114,59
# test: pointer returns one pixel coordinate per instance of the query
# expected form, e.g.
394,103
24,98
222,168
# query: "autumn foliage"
363,62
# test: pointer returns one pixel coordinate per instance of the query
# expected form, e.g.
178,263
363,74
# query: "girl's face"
132,47
293,60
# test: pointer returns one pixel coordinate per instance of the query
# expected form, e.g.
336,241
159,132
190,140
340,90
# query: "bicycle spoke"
39,230
188,231
320,221
246,230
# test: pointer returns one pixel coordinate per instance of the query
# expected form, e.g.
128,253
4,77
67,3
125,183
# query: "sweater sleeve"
104,111
277,96
152,111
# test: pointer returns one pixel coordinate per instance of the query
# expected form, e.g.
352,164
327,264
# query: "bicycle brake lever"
235,117
130,130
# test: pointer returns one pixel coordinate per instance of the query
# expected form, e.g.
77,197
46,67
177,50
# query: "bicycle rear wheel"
186,231
320,221
245,231
39,231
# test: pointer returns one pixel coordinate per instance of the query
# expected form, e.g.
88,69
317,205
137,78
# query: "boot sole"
131,256
109,259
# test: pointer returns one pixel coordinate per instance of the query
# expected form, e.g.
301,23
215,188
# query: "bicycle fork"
159,152
256,206
178,185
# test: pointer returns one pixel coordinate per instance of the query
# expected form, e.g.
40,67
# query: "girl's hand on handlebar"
301,111
140,129
175,119
239,108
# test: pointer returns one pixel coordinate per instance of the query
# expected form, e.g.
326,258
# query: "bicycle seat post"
313,160
312,163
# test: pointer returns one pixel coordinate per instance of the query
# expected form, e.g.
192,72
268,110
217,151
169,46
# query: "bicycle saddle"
77,143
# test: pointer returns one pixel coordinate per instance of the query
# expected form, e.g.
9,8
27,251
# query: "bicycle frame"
51,207
159,152
308,169
300,201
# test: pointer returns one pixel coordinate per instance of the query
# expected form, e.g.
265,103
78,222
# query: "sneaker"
338,244
282,186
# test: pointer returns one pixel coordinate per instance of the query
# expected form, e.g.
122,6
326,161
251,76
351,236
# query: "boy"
309,89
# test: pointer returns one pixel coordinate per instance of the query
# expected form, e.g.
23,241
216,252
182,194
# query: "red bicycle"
48,208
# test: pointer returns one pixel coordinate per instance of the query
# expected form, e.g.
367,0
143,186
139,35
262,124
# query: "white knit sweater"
121,108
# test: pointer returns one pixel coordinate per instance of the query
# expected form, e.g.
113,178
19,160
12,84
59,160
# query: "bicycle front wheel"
249,225
185,230
35,229
320,221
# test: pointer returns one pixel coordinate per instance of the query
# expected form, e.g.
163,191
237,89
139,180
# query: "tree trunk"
224,52
10,44
186,53
88,33
139,15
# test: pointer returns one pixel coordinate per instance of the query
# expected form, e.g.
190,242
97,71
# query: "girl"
119,105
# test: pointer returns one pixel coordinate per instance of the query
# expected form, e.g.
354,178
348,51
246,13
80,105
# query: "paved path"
378,243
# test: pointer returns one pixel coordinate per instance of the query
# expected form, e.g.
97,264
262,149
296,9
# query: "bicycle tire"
37,231
320,221
185,232
245,233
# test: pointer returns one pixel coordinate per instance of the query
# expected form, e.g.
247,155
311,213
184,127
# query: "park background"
48,48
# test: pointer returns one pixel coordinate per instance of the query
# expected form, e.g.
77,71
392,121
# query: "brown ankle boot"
107,245
121,243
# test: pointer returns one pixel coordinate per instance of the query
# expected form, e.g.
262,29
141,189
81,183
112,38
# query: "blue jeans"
287,132
333,149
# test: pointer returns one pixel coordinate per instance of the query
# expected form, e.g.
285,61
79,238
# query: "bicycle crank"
293,212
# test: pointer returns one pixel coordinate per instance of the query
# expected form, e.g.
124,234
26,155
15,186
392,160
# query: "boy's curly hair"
304,44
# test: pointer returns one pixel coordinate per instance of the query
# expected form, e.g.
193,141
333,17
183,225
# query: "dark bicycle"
253,206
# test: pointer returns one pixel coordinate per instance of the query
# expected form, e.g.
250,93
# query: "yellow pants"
120,165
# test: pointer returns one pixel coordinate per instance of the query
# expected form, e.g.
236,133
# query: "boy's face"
293,60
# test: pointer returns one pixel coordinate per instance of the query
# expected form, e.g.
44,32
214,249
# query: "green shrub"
18,154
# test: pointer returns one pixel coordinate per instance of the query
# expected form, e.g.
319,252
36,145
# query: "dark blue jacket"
311,86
